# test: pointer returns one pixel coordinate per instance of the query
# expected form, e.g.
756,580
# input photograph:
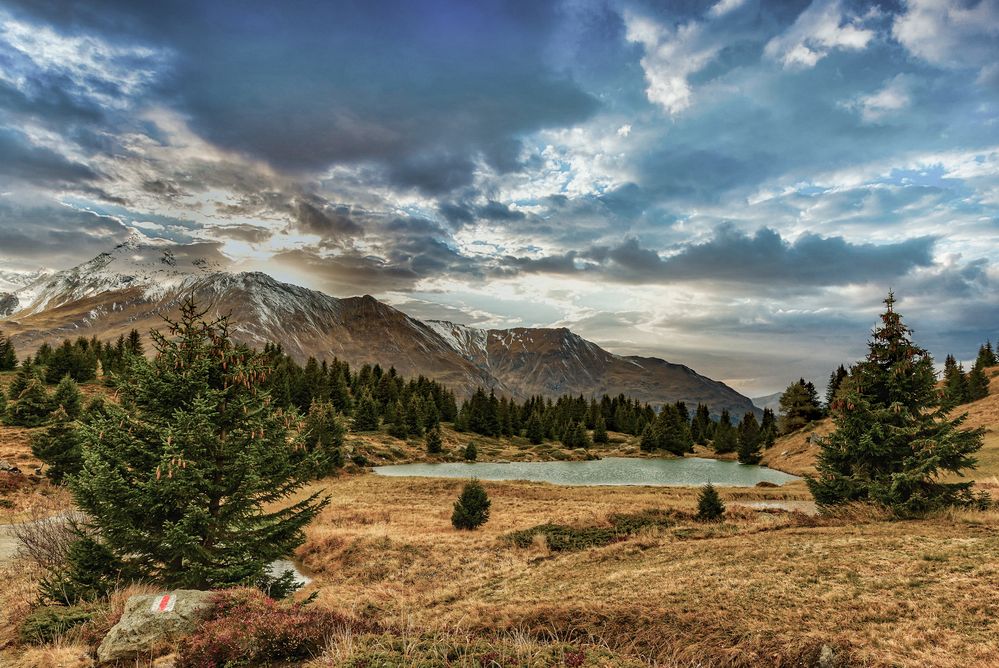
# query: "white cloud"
723,7
947,34
822,28
894,97
671,55
93,64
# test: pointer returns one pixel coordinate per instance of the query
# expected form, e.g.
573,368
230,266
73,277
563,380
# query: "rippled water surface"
687,471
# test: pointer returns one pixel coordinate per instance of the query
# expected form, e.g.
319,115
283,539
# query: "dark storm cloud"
55,235
424,89
731,256
252,234
765,257
348,274
463,213
24,161
325,220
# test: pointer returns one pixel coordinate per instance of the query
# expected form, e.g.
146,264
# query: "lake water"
686,471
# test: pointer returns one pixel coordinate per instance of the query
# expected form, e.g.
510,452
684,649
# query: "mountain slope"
139,283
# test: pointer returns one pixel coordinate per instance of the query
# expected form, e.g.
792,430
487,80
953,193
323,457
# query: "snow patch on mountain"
156,266
469,342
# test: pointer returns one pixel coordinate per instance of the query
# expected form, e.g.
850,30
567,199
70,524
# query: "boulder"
150,623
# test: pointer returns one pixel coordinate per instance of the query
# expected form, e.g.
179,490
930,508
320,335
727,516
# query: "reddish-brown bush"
245,627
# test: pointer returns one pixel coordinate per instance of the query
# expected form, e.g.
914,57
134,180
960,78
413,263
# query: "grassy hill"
613,576
796,453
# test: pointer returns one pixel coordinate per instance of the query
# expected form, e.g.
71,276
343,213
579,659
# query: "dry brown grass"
760,589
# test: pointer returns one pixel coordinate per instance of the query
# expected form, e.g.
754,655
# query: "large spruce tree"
893,442
183,480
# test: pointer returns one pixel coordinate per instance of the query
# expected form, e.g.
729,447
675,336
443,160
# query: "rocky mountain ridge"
138,283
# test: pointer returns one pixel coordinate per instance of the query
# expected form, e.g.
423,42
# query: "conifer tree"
58,447
768,428
471,510
30,407
366,414
986,356
67,395
471,453
134,343
725,439
8,356
799,405
750,440
955,384
398,427
699,427
183,480
3,405
835,380
710,507
978,383
535,429
323,434
434,441
600,430
893,442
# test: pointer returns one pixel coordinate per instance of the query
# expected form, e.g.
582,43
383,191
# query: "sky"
733,185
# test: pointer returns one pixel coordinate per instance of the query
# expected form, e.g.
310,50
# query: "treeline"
962,388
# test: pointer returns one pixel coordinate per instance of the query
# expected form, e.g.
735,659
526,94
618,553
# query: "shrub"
434,441
91,572
562,538
47,623
471,510
709,504
242,627
471,452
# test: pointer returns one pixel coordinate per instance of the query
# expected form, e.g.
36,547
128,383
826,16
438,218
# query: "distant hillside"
137,283
771,401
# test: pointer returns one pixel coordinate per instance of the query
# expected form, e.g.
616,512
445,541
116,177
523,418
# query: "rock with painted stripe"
151,624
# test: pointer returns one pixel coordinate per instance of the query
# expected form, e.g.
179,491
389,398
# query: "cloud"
822,28
892,98
671,56
54,235
733,257
25,161
950,34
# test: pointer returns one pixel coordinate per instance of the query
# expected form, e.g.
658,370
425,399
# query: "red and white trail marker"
163,603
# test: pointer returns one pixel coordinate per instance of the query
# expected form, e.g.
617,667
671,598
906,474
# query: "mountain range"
139,282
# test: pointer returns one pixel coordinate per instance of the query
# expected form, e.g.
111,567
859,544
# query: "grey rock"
8,304
827,657
143,628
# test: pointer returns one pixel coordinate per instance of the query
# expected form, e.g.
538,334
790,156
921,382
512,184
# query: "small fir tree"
768,428
710,507
750,440
955,384
58,447
835,380
366,414
726,439
600,430
978,383
434,441
471,453
471,510
187,482
8,356
323,435
799,405
67,395
31,407
893,442
535,429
